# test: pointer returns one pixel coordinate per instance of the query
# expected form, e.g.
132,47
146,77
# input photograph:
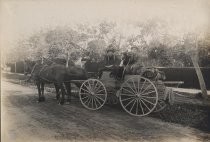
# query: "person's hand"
109,66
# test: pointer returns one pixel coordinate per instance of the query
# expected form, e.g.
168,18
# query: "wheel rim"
93,94
160,105
138,96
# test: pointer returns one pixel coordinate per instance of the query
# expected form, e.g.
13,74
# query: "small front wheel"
93,94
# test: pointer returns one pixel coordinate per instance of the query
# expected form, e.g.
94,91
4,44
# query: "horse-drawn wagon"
139,95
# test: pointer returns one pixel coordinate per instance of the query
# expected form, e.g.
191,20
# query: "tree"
191,43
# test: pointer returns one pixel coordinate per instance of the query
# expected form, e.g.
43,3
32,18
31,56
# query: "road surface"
23,119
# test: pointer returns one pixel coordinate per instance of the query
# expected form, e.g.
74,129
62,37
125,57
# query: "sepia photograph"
105,70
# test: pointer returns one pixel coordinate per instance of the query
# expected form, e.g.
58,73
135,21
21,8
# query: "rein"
125,67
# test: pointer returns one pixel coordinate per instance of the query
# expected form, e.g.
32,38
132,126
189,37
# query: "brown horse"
55,73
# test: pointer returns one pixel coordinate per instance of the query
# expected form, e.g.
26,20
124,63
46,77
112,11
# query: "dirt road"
23,119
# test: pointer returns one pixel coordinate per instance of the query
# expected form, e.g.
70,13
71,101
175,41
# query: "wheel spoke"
89,101
86,100
100,98
127,99
130,87
90,87
95,102
148,97
145,105
147,93
98,101
142,86
100,91
137,105
147,101
134,86
100,94
129,91
146,88
138,85
141,106
95,85
92,102
86,90
159,103
98,87
87,87
84,97
132,106
85,93
129,102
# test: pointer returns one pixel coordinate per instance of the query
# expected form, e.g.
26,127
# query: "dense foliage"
157,47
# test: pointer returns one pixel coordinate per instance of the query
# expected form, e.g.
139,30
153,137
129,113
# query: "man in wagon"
110,57
110,60
133,63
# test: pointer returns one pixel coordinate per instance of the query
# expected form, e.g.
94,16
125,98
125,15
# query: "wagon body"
139,96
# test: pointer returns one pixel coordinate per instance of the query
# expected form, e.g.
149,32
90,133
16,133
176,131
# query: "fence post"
15,67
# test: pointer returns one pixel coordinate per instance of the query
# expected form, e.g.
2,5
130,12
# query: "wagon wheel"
160,105
138,96
93,94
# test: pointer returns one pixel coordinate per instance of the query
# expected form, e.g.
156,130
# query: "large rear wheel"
138,96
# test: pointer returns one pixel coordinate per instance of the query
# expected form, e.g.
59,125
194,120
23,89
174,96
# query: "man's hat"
110,48
134,47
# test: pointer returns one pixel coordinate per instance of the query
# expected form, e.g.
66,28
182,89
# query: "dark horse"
54,73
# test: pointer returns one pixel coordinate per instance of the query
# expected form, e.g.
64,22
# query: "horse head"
28,66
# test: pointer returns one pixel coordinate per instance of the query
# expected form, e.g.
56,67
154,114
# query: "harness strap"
41,71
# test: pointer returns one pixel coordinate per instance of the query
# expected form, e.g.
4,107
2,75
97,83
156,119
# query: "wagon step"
173,83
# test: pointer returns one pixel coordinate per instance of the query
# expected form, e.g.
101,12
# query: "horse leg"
57,91
63,93
42,92
39,90
68,89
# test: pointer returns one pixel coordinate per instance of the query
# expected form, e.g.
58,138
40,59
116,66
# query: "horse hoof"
61,102
57,98
39,100
42,99
67,103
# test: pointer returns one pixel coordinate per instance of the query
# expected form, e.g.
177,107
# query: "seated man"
110,57
109,60
111,63
132,64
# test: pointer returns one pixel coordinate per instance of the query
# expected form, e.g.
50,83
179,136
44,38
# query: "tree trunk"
67,60
200,77
42,62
